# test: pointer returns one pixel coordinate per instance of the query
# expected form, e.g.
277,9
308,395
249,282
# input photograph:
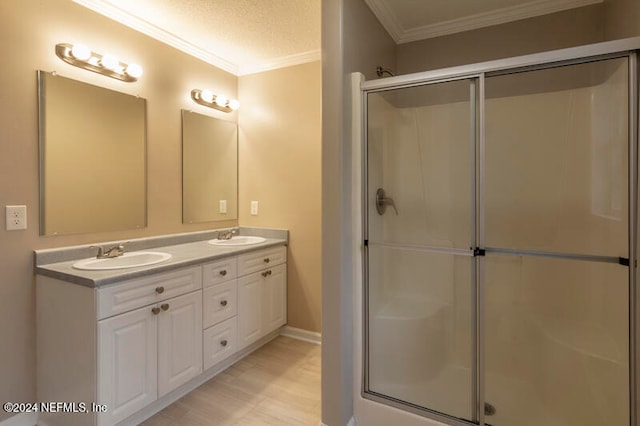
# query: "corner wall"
352,40
279,166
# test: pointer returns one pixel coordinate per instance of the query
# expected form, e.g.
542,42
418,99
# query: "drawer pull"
159,290
223,272
267,260
223,302
155,310
223,342
165,306
266,273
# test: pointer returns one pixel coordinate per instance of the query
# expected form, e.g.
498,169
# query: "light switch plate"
16,217
223,206
254,208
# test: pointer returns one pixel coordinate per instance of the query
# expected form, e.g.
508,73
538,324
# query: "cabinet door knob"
223,342
165,306
264,274
267,260
155,310
159,290
223,272
223,302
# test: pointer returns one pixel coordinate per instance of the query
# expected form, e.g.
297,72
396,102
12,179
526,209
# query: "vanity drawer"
139,292
257,261
218,272
219,342
219,302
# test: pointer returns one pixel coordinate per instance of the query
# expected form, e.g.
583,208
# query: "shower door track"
476,74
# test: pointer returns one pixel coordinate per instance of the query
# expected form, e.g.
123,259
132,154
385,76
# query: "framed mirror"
209,168
92,158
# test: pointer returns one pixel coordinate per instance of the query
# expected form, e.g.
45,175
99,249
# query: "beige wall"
29,30
279,164
569,28
621,19
349,29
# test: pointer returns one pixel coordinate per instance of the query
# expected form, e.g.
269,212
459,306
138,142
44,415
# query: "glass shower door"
556,287
419,265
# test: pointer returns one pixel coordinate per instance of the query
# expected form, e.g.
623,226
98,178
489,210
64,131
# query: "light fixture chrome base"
63,51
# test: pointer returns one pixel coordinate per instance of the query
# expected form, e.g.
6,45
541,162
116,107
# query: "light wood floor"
279,384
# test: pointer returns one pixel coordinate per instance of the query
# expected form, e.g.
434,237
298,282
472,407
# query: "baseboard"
300,334
24,419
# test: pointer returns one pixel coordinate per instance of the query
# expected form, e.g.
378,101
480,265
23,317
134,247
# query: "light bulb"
110,62
81,52
221,100
206,96
134,70
234,104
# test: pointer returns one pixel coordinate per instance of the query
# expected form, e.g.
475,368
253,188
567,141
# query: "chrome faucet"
226,235
115,251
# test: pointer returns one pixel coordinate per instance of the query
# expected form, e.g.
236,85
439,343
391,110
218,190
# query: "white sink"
132,259
238,241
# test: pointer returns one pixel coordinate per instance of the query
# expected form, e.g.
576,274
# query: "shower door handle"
382,201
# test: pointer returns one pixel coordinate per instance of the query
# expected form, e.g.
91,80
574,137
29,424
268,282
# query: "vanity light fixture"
219,102
83,57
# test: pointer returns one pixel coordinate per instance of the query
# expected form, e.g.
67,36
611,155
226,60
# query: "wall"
352,40
29,30
280,162
569,28
621,19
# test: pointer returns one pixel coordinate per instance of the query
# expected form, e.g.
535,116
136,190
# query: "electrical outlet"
254,208
16,217
223,206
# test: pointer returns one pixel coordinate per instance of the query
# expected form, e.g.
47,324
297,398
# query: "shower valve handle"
382,201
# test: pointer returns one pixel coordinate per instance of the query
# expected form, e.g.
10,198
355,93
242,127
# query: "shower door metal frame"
477,72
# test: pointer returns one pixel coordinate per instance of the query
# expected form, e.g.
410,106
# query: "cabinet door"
275,298
127,364
179,341
250,317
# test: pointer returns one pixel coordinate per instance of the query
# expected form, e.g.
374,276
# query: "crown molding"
140,25
282,62
387,18
481,20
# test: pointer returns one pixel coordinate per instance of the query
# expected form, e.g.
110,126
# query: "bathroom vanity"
128,342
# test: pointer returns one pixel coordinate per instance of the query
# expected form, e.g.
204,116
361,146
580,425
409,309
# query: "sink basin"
238,241
132,259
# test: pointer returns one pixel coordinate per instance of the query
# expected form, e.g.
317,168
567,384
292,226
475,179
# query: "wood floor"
279,384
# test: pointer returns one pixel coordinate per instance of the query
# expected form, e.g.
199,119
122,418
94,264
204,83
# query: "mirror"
92,158
209,168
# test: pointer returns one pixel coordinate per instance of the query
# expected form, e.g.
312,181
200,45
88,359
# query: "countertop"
182,255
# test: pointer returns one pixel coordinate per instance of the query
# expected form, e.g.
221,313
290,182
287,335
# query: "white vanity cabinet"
137,345
145,353
262,295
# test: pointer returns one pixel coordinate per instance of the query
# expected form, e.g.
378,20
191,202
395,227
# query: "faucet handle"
100,253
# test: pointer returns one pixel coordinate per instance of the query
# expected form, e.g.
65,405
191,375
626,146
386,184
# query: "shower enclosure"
500,215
